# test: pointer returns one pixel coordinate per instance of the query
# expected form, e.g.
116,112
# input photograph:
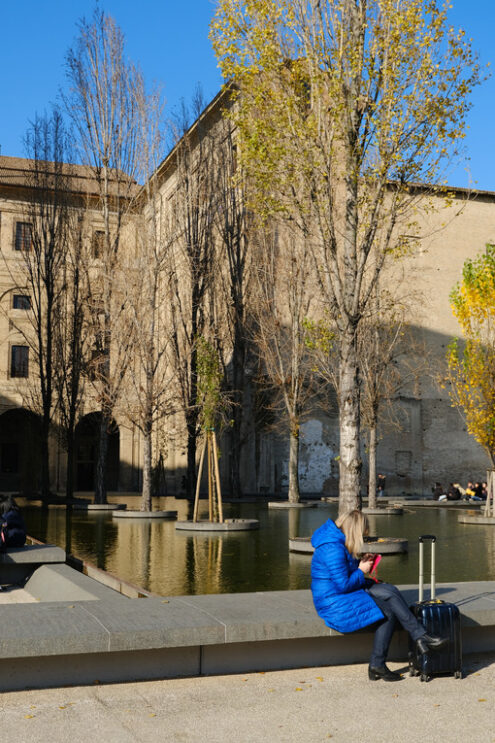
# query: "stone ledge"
34,554
223,633
61,583
189,620
18,563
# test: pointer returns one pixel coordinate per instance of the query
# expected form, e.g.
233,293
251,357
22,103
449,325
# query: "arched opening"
87,434
20,454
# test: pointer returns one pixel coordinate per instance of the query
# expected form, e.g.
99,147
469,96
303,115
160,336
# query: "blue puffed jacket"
337,583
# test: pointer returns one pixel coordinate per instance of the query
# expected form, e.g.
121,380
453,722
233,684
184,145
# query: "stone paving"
314,705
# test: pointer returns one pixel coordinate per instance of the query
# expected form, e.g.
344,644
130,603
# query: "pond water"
153,555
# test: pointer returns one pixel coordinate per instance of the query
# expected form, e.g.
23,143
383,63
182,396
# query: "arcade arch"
20,451
87,432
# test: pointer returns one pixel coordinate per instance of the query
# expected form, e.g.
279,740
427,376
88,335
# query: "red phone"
376,562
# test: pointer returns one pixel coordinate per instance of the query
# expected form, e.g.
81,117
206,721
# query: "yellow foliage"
471,372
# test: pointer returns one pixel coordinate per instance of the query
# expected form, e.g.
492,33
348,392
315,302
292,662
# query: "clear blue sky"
170,41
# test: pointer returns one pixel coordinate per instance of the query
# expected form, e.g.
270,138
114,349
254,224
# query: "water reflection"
153,555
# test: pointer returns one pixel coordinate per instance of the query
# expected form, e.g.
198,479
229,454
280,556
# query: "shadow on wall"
429,443
20,433
428,440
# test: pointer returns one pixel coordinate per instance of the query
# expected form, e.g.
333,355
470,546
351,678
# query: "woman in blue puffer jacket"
347,600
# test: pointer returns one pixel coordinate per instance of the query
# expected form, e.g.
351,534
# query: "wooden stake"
490,495
217,476
210,474
198,483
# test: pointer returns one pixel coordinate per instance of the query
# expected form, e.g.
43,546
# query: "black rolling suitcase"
439,618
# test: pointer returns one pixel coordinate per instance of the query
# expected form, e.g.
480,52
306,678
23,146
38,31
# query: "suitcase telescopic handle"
422,539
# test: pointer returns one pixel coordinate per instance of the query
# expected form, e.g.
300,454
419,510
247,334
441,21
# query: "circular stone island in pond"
384,511
387,545
99,507
466,518
301,544
144,514
213,526
286,504
379,545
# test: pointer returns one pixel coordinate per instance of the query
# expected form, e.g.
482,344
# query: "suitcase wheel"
458,674
424,677
413,671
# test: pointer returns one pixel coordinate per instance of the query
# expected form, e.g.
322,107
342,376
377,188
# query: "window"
23,236
98,243
19,361
21,302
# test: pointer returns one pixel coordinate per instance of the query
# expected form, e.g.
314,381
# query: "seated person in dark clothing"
478,490
437,491
453,493
13,529
471,492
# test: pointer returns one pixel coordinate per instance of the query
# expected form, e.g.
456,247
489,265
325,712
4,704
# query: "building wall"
432,443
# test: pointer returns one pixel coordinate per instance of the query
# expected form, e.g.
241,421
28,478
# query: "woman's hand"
366,564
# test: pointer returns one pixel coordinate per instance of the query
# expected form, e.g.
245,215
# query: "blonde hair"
354,524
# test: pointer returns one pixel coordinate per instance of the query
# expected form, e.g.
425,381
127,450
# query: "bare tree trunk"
192,437
372,466
236,490
350,456
192,413
69,481
101,465
238,383
146,503
294,494
45,454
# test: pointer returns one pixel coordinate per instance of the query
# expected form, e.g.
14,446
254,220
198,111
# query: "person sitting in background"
453,493
470,493
437,491
381,485
484,491
13,529
478,491
461,490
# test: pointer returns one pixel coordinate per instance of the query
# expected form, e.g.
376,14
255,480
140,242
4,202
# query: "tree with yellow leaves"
472,367
342,107
471,370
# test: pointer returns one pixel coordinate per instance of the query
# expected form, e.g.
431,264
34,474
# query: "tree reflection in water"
153,555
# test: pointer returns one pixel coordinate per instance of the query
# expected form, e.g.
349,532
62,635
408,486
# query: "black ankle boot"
382,672
430,642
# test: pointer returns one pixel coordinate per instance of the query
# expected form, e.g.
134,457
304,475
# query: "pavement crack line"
207,613
109,635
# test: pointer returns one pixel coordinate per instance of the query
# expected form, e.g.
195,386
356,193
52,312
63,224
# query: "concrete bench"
111,638
50,583
17,563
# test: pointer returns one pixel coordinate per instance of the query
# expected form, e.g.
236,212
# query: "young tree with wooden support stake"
342,107
471,367
234,293
191,285
211,404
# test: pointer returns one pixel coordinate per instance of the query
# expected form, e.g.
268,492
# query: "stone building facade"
432,443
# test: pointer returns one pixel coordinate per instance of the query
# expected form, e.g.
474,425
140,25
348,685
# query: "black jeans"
390,600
